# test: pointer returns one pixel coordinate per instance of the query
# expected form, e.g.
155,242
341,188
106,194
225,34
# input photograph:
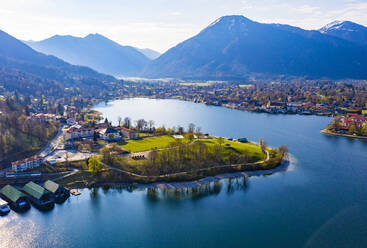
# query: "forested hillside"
21,136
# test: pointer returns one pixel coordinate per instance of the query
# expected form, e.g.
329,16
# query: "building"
127,133
109,134
26,164
347,120
44,117
59,191
71,121
14,197
38,195
77,132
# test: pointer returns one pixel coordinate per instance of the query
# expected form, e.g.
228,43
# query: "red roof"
26,160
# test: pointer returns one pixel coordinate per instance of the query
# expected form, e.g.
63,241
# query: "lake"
320,201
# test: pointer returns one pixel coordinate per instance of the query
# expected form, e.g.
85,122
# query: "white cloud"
160,24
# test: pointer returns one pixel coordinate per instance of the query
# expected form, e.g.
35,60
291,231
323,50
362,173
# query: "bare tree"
283,150
127,122
151,125
191,128
263,145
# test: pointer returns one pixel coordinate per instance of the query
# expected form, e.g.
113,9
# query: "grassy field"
244,148
164,141
148,143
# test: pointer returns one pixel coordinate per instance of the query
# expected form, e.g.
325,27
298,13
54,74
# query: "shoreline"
194,183
328,132
228,107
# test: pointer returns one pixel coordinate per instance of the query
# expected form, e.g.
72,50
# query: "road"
53,144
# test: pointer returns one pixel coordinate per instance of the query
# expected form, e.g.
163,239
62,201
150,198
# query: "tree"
263,145
141,125
93,165
106,155
151,125
335,124
180,130
364,130
191,128
198,132
352,128
127,122
283,150
106,122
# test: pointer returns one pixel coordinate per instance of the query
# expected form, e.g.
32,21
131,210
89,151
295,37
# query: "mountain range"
232,47
97,52
24,69
347,30
235,47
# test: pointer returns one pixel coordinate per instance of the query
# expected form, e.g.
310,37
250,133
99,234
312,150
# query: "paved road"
53,144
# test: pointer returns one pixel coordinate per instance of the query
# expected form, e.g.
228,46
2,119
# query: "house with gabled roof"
14,197
56,189
38,195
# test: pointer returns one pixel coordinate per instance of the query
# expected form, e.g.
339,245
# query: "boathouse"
38,195
56,189
14,197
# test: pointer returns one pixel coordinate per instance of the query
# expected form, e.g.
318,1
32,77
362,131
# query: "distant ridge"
236,47
151,54
347,30
26,70
95,51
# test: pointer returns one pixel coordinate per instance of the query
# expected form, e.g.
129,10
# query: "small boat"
4,208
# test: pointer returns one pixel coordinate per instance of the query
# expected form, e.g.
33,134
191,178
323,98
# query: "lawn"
148,143
243,148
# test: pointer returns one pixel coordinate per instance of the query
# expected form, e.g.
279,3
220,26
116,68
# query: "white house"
79,132
109,134
26,164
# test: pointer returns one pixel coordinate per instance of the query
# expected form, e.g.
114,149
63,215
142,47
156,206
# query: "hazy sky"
161,24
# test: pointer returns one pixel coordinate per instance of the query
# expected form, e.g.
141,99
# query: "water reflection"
231,185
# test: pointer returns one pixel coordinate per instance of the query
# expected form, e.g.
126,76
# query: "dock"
75,192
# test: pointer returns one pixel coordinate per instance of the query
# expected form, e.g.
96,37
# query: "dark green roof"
51,186
11,193
35,190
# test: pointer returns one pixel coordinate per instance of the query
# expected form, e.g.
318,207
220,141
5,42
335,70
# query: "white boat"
4,208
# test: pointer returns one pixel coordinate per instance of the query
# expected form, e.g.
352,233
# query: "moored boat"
4,208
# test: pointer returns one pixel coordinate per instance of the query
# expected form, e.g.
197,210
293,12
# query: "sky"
162,24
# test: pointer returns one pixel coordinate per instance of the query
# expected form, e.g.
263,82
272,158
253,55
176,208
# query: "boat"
4,208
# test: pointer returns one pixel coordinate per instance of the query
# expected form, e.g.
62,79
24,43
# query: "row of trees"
143,125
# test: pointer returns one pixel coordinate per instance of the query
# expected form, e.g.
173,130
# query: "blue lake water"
320,201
